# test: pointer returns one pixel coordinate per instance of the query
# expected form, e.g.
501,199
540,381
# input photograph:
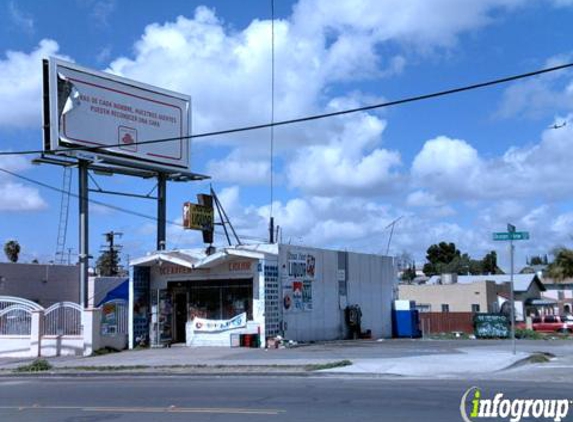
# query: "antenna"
392,224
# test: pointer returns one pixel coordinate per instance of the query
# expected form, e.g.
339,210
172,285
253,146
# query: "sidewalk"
390,358
469,362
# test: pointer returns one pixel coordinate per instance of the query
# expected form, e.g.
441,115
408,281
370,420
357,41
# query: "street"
247,398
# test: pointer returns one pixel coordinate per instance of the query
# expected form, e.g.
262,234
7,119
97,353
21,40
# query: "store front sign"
214,325
172,270
238,266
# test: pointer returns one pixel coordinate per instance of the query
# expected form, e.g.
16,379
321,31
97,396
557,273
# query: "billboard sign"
87,108
198,217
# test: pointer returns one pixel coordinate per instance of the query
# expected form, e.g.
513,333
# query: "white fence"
63,318
63,329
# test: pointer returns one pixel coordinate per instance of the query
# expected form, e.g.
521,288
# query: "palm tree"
12,250
562,266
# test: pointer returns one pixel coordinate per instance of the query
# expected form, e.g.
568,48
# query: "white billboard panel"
87,108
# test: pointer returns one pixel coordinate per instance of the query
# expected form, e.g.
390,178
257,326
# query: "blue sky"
456,168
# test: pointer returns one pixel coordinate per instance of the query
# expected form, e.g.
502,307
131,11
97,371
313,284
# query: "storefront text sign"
213,325
171,270
238,266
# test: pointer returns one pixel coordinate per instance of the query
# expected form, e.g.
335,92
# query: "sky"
453,169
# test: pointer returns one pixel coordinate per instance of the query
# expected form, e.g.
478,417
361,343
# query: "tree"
439,256
107,264
489,263
12,250
537,260
562,266
409,274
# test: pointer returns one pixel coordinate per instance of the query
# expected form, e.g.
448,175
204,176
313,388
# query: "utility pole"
112,251
511,231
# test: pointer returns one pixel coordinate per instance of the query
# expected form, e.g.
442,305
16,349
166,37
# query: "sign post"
511,235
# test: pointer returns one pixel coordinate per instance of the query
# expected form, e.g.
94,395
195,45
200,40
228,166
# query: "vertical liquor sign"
297,285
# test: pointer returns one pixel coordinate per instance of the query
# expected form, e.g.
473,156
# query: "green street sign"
511,236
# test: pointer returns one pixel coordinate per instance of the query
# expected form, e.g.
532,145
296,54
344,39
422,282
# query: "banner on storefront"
213,325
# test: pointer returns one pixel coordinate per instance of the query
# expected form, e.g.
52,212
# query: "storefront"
260,291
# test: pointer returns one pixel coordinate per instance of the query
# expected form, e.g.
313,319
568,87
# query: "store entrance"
180,314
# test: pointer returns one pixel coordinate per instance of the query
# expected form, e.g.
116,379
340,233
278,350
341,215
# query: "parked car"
551,324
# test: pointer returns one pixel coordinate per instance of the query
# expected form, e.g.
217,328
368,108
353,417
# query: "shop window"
221,300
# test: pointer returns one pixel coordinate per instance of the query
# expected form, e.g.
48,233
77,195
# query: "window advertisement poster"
109,319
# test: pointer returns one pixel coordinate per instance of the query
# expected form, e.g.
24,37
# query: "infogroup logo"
475,407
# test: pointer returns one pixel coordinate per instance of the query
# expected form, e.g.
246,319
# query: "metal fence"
446,322
16,316
63,319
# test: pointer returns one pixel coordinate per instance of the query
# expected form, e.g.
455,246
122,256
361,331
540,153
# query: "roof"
197,258
521,282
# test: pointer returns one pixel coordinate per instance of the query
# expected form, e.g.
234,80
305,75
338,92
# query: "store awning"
541,302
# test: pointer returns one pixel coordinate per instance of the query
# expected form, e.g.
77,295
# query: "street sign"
511,236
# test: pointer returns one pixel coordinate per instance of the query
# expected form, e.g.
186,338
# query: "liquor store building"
262,290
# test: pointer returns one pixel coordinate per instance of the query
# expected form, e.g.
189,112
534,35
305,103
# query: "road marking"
170,409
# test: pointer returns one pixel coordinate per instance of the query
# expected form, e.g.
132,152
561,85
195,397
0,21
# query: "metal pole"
161,210
511,296
83,231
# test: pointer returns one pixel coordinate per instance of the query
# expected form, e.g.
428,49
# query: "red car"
551,324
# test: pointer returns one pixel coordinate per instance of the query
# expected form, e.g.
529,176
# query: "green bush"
524,333
37,366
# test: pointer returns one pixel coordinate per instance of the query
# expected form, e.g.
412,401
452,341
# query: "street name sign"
511,236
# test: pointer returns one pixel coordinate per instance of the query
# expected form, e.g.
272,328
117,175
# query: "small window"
475,307
445,307
560,295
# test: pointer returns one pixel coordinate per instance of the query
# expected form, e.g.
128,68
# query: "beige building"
479,296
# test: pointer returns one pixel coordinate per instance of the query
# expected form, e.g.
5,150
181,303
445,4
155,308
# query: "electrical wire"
406,100
105,204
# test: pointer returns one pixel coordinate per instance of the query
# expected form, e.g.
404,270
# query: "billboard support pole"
161,210
83,230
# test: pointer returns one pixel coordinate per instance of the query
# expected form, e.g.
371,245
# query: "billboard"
87,108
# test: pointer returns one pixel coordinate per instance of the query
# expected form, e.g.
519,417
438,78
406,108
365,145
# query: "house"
477,296
477,293
44,284
559,295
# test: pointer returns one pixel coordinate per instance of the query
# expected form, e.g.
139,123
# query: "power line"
103,204
323,115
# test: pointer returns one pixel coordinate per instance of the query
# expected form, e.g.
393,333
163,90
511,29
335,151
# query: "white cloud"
23,21
13,163
17,197
322,43
237,169
540,96
453,169
448,167
422,198
21,85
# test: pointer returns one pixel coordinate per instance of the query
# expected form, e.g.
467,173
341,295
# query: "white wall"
15,346
62,346
370,284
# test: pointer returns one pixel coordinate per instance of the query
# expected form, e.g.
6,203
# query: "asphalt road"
248,398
